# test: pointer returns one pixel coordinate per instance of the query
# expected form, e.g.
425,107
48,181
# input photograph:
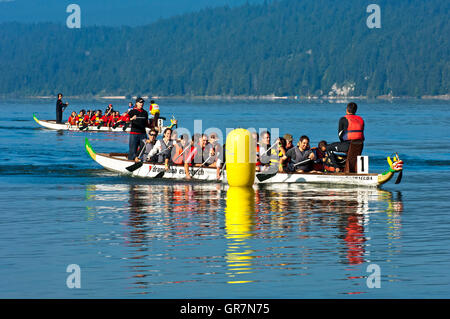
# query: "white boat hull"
119,162
52,125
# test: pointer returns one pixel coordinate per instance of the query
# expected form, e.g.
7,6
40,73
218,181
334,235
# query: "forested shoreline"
298,49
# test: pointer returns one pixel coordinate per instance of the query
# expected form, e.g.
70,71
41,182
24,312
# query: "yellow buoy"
240,158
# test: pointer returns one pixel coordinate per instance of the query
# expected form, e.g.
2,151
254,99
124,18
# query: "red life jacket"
178,151
355,129
258,162
124,118
72,120
191,155
94,119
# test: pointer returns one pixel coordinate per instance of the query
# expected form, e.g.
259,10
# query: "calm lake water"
135,238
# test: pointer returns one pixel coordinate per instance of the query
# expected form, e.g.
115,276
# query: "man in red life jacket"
199,154
351,128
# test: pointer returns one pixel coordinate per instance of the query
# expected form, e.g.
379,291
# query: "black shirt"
60,105
140,123
343,125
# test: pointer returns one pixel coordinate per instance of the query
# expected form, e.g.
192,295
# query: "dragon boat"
118,162
52,125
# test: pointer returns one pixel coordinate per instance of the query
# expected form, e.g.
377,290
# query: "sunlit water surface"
136,238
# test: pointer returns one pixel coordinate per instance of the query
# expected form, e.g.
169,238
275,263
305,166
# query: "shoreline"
333,99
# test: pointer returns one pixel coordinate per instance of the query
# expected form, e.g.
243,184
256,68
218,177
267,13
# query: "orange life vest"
355,129
178,151
72,120
258,162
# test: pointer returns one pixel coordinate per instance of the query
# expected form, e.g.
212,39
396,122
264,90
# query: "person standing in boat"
60,107
351,128
139,122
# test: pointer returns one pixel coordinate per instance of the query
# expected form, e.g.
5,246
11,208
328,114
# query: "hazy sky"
105,12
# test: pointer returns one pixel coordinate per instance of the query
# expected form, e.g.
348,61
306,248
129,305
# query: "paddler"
72,119
123,120
199,155
178,148
139,122
299,154
60,107
147,146
217,160
268,155
80,119
109,110
163,148
284,146
320,155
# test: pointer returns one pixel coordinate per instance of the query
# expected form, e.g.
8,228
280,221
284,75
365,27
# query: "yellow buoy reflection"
239,223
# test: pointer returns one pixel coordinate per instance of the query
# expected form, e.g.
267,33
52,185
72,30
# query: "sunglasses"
152,134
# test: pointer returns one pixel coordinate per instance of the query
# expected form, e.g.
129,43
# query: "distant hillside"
105,13
290,47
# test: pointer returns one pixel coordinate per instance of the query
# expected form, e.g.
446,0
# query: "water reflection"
239,221
287,228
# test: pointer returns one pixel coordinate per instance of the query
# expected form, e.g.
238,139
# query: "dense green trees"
290,47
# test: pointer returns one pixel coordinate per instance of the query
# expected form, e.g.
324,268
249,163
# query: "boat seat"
354,150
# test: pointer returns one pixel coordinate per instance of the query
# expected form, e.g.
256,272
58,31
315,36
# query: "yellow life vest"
154,109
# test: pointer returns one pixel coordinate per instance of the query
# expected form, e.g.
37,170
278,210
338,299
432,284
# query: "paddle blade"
159,175
264,176
134,167
399,178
